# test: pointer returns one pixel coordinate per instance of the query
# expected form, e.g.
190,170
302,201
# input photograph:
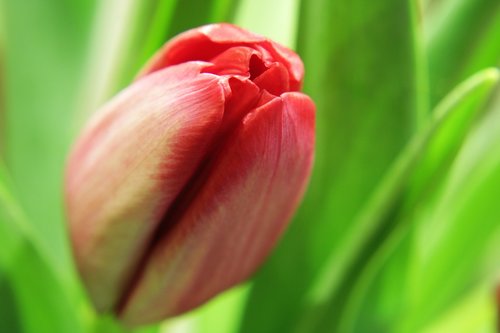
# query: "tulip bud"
179,187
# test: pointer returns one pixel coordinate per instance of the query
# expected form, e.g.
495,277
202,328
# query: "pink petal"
274,80
233,61
219,237
244,97
207,42
130,164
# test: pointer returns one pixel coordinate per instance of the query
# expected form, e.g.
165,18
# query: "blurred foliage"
28,280
461,38
363,121
400,227
44,52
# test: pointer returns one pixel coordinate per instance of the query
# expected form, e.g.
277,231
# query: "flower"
180,186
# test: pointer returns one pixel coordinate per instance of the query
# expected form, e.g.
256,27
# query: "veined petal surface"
251,189
125,170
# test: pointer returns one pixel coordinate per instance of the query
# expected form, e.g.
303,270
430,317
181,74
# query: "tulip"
180,186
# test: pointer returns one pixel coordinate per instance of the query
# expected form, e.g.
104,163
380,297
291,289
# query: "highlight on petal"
124,171
207,246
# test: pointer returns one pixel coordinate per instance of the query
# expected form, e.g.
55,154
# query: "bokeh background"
400,228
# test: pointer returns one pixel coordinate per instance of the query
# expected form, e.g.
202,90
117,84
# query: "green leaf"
114,48
10,316
109,324
157,30
44,42
364,71
193,13
2,82
450,123
475,312
461,38
34,297
458,240
281,28
221,315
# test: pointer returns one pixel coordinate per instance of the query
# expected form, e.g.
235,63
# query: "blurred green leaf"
462,37
156,35
449,123
455,116
458,240
223,314
2,83
474,313
43,63
109,324
11,218
10,315
364,72
279,20
33,295
107,52
192,13
160,20
220,315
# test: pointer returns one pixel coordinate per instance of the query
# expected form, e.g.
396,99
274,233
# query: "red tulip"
180,186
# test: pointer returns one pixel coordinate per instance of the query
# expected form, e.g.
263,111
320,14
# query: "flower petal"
274,80
236,216
207,42
130,164
233,61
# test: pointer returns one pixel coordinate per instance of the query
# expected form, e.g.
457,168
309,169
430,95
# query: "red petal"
202,43
130,164
293,64
207,42
234,61
236,217
244,97
274,80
